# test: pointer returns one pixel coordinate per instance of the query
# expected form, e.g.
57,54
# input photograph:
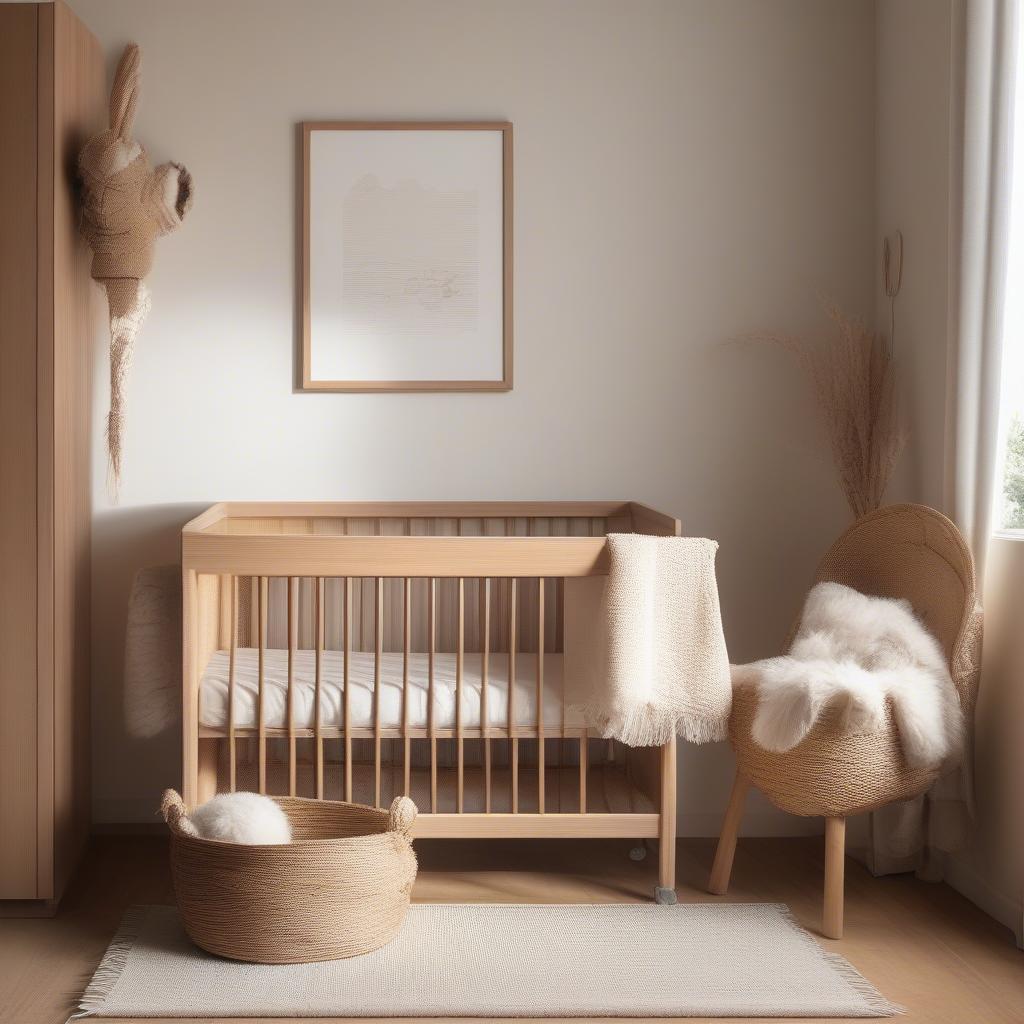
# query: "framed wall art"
406,250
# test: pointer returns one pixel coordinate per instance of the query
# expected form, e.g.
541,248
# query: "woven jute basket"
901,551
340,888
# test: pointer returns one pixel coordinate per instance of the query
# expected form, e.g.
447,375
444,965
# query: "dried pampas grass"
853,378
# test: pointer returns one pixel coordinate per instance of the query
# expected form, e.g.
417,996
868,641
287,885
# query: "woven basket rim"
318,805
294,844
359,840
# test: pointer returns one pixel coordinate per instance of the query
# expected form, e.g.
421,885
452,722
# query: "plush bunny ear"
124,96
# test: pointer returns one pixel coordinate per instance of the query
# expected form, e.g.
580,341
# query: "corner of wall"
962,874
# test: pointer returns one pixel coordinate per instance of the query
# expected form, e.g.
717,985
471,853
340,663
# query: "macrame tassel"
129,306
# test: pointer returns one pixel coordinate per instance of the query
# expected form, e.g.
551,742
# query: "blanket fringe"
649,727
112,964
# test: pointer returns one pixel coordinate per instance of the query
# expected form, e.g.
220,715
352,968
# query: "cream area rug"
502,960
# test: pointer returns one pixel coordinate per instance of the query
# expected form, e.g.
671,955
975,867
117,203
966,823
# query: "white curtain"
984,45
907,836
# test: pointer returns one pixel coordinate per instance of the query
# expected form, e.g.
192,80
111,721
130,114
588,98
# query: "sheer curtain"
985,40
908,835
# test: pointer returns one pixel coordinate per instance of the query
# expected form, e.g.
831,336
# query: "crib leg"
190,770
721,870
206,783
665,892
835,854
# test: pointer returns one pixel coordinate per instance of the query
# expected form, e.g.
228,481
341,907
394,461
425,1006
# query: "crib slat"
261,722
511,696
485,720
431,723
459,660
223,607
540,695
317,725
559,614
584,752
559,645
378,650
232,649
293,642
252,585
406,637
346,643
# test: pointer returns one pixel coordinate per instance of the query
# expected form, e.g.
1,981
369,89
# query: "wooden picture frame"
500,351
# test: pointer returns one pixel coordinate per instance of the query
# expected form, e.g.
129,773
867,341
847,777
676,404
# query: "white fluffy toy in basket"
241,818
252,901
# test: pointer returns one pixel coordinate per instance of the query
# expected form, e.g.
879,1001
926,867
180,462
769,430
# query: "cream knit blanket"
645,655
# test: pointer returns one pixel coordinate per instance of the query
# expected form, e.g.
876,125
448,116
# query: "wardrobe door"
19,720
51,101
70,321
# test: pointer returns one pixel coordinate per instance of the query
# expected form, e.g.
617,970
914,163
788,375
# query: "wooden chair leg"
835,854
721,870
666,890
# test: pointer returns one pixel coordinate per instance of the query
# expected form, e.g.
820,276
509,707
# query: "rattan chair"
902,551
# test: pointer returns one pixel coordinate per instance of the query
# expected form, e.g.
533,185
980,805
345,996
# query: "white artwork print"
406,255
410,255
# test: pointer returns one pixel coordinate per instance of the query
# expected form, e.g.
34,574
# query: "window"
1010,498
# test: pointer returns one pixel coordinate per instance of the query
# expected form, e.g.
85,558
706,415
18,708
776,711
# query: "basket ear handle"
172,807
401,816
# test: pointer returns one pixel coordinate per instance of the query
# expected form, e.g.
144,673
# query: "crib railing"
529,594
487,581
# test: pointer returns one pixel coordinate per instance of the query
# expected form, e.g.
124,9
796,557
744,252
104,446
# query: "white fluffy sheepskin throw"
242,818
852,652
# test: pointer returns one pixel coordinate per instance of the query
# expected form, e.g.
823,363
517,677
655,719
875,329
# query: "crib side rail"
230,515
508,575
518,617
394,556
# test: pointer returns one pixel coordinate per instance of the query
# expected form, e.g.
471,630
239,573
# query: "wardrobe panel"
18,460
79,107
52,85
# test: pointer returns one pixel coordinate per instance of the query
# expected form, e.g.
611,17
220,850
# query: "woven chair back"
916,553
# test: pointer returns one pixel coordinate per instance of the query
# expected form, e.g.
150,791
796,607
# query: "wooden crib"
359,651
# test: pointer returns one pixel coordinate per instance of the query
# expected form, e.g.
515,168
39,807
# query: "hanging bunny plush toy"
127,205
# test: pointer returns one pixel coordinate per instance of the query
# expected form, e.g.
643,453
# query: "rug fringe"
875,1002
112,964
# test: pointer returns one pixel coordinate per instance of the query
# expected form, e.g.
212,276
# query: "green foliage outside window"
1013,477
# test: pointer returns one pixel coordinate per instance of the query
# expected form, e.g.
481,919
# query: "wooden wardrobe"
52,85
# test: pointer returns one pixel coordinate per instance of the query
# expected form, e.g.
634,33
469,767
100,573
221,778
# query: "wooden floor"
922,945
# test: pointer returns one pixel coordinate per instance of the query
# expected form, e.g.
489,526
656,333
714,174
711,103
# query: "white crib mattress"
213,695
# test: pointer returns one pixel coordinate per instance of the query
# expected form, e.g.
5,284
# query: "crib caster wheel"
638,853
664,896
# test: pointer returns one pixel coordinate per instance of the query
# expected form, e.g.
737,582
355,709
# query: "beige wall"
685,172
912,170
